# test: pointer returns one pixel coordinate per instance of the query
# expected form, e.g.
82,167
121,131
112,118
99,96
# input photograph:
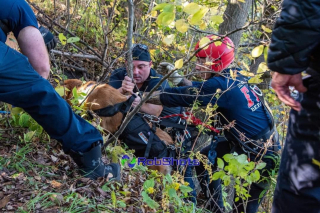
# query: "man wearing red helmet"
237,101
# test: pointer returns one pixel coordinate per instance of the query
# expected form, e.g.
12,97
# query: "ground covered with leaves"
37,176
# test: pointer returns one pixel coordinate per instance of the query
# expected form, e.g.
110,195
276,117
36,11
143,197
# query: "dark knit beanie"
140,52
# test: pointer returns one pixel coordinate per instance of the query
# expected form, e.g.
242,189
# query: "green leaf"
249,166
151,203
257,174
24,120
160,6
62,39
236,199
203,42
266,29
220,163
16,110
73,39
196,18
185,189
261,165
148,183
226,180
242,158
165,18
27,137
182,26
168,178
178,64
217,175
228,157
217,19
114,199
168,8
265,53
257,51
191,8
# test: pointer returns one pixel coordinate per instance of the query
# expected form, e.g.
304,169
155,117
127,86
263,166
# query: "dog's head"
98,97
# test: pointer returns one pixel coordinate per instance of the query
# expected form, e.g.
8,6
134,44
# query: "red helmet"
221,54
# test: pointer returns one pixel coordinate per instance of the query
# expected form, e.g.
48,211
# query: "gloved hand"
48,37
175,77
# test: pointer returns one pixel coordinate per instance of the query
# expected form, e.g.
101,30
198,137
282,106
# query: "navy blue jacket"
295,39
118,75
236,102
18,14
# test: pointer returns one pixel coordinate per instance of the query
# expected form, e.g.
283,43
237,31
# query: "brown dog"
105,95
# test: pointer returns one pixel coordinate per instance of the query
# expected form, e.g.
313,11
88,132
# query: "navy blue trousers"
22,86
298,185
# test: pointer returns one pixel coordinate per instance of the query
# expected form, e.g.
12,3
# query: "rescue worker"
294,48
237,101
145,78
23,83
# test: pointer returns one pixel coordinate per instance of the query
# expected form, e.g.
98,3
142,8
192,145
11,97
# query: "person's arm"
295,36
32,45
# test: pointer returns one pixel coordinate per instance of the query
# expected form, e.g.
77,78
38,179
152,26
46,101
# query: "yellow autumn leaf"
191,8
217,43
256,79
153,13
203,42
62,39
233,73
178,64
316,162
246,73
203,25
262,67
266,29
217,19
182,26
265,53
257,51
61,90
168,39
196,18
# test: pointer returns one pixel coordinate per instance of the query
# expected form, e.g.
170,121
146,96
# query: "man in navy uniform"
237,101
23,84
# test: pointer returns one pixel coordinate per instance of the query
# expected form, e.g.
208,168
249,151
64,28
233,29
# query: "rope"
194,120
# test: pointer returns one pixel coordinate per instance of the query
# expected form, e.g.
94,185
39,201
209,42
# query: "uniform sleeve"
116,79
186,96
177,96
21,16
295,36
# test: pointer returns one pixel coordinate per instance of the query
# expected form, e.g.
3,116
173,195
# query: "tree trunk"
235,16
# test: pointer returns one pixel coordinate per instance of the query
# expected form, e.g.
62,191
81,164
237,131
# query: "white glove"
175,77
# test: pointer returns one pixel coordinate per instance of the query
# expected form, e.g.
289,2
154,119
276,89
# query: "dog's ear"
70,84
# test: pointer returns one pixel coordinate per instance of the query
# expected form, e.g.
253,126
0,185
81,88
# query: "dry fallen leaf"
55,184
4,201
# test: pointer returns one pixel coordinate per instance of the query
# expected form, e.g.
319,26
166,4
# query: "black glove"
48,37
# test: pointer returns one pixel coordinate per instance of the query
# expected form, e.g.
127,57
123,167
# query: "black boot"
91,165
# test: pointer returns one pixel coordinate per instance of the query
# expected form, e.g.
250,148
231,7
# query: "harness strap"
194,120
150,141
122,107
